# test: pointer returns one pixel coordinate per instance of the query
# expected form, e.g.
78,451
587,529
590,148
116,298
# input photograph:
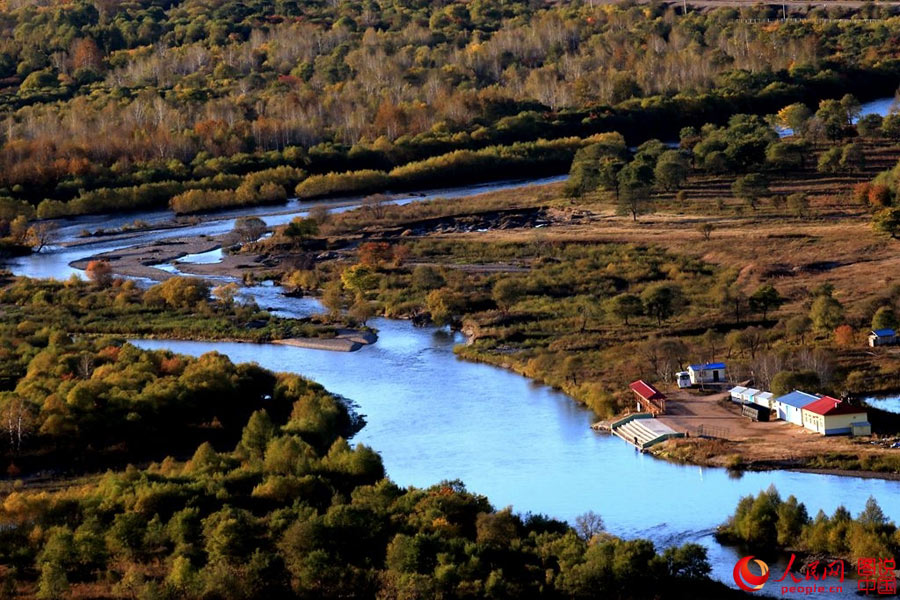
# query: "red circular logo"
745,579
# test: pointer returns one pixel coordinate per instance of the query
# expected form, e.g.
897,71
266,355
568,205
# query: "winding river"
434,417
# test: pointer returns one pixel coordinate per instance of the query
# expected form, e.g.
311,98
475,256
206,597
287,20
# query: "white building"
736,392
830,416
707,373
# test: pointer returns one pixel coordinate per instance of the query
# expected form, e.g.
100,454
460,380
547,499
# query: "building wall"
831,424
835,424
707,376
792,414
812,421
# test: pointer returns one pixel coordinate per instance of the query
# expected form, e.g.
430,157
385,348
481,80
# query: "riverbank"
346,340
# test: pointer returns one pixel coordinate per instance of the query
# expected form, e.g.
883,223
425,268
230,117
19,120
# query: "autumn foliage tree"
100,272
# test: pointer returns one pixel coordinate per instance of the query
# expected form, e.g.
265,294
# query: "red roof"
646,391
826,405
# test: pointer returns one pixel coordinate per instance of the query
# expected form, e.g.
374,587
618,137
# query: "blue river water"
432,416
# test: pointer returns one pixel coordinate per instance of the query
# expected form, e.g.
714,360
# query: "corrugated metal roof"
797,399
708,366
826,405
645,390
884,332
737,389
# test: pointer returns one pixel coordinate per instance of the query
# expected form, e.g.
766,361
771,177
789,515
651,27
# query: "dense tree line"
767,522
174,99
181,307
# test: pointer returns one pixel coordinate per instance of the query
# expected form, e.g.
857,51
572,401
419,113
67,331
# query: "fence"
708,431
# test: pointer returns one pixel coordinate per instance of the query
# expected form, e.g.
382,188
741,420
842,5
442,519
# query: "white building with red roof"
830,416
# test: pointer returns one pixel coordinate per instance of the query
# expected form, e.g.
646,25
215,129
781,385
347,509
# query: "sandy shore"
347,340
145,260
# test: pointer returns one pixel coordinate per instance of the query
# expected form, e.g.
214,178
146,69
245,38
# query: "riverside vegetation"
250,489
596,300
769,522
180,307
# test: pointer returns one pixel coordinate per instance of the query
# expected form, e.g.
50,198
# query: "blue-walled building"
790,406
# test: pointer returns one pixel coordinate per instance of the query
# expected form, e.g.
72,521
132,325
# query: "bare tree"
375,205
17,418
589,524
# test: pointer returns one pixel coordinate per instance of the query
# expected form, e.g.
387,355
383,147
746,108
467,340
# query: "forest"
249,488
121,106
767,522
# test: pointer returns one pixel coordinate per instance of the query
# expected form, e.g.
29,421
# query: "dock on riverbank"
641,430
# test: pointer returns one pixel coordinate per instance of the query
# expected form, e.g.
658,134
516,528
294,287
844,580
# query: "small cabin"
790,406
736,392
707,373
749,395
765,399
830,416
860,428
882,337
648,398
755,412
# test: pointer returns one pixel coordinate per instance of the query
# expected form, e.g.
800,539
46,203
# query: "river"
432,416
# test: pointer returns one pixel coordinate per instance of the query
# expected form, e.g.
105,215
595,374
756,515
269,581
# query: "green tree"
635,183
884,318
299,230
362,310
689,561
608,175
792,518
798,326
787,155
872,516
426,277
765,298
869,126
506,292
53,583
333,297
671,170
826,313
39,80
785,382
833,116
751,188
887,221
794,117
830,160
359,279
586,173
890,127
852,108
852,157
662,300
257,434
625,306
798,203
